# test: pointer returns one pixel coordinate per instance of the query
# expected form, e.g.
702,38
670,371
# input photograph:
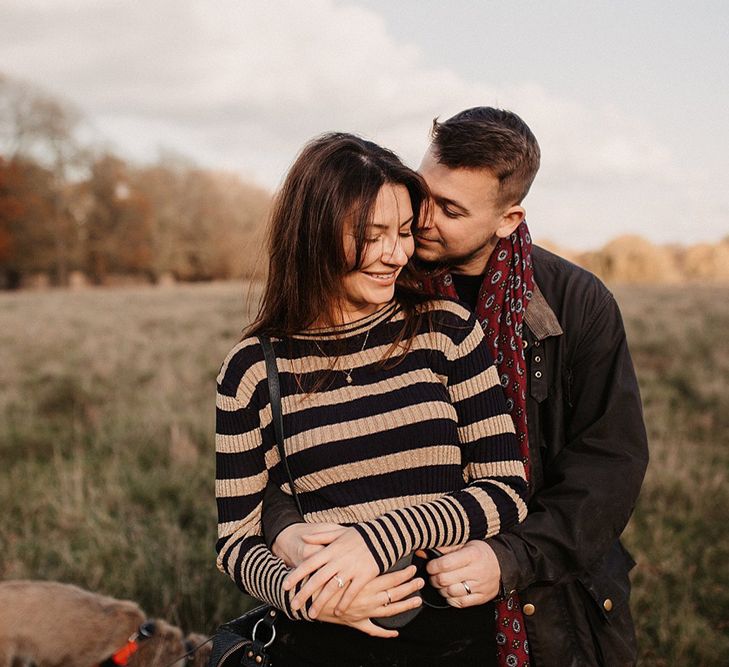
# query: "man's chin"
430,254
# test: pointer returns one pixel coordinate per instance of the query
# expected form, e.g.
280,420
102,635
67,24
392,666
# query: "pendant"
349,379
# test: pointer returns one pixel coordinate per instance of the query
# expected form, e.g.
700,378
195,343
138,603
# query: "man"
561,577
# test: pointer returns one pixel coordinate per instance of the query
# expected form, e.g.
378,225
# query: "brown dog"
200,649
49,624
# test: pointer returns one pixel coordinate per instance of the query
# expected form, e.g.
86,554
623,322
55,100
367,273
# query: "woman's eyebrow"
402,224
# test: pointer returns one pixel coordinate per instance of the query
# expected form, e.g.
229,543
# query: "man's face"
467,218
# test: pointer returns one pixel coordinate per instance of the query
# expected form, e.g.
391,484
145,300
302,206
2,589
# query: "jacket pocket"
606,596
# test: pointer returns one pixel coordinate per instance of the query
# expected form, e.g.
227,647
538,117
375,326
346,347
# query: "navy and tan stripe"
387,454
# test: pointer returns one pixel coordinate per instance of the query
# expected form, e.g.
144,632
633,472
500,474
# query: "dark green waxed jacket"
589,453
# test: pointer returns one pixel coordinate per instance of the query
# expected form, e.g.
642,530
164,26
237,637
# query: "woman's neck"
345,316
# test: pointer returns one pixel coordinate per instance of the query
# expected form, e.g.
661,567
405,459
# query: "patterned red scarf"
506,290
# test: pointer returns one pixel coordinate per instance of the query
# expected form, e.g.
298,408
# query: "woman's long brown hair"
335,178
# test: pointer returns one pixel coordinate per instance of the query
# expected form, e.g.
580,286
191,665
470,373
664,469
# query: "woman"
396,425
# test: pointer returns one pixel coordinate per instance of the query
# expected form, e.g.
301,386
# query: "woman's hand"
345,563
386,595
290,546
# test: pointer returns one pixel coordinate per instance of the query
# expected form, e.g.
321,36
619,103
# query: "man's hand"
291,547
475,563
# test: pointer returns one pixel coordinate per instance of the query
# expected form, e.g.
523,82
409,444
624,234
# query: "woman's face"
389,246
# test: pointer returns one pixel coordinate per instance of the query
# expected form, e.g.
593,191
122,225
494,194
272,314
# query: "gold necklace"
347,374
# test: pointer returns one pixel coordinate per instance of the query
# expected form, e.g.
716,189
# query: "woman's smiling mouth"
383,278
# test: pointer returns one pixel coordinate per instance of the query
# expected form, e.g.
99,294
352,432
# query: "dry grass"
106,453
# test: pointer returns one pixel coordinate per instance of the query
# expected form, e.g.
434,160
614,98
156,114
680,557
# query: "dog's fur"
48,624
202,655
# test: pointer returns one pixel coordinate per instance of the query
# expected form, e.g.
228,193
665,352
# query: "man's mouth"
426,239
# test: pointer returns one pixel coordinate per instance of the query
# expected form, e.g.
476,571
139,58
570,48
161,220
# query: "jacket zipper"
232,650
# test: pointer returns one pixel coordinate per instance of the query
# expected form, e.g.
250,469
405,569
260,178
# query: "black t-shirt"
467,288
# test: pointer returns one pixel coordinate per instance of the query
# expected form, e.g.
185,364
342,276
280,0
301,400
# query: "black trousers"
443,637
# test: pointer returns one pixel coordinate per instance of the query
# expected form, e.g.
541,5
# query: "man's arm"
279,512
591,486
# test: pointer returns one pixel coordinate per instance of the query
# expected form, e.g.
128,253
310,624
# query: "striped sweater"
417,452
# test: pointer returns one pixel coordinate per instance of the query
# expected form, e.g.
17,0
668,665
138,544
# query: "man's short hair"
493,139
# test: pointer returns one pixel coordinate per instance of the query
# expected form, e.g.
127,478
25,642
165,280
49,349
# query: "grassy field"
106,453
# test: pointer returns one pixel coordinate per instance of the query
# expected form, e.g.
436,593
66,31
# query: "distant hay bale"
166,279
633,259
706,261
125,280
562,251
77,280
38,281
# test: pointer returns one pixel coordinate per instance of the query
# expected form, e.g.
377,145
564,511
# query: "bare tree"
37,126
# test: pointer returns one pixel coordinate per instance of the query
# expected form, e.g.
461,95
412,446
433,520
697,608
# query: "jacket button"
607,605
538,374
529,609
537,359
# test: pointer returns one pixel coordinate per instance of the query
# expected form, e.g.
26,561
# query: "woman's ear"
510,220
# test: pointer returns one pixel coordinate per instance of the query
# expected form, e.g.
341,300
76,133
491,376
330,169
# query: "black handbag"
243,642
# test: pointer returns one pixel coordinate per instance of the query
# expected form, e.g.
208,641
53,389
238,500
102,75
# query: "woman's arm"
243,459
493,499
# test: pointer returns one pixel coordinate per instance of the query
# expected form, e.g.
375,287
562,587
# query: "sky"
628,100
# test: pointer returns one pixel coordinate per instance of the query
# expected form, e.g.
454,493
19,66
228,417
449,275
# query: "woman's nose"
395,254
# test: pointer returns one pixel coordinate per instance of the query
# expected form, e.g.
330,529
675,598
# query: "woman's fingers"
368,627
316,582
355,586
395,608
392,579
408,588
310,565
329,591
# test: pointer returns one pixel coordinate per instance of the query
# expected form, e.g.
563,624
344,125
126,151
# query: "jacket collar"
540,317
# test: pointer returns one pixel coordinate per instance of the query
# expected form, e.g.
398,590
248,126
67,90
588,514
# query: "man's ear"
510,220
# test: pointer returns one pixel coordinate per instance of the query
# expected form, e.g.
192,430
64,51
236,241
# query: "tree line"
69,210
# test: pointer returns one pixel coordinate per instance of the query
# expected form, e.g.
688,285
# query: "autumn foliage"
70,211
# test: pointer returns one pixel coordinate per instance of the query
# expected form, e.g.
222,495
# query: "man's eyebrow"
444,201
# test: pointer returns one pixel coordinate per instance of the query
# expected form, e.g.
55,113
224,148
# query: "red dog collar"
122,656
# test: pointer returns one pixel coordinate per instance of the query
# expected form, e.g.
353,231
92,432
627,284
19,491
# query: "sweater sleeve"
493,498
243,460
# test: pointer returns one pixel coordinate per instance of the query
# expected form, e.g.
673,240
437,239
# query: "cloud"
242,85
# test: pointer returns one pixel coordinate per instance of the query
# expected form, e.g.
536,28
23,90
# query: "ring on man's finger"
339,580
389,599
467,587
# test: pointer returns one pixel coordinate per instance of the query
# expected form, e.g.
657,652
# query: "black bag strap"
274,389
